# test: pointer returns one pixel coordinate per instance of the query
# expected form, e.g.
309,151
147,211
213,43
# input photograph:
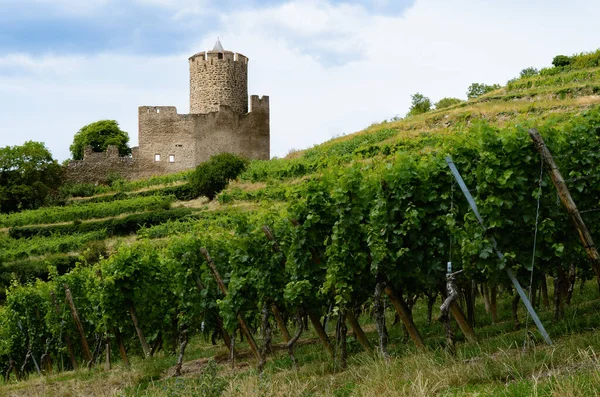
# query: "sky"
330,67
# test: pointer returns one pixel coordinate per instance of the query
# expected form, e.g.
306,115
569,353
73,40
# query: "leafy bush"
476,90
420,104
586,60
214,175
560,61
529,72
447,102
78,190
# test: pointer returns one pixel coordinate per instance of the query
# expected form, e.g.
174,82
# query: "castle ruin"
219,121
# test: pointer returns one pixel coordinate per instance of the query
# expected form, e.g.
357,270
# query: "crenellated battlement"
210,56
151,110
259,103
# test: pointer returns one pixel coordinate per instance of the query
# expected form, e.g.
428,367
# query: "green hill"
343,249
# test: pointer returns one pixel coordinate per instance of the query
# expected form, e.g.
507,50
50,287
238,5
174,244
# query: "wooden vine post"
67,337
274,308
404,313
358,331
567,200
240,319
84,342
138,329
222,330
316,322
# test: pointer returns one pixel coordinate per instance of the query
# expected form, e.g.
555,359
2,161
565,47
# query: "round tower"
218,77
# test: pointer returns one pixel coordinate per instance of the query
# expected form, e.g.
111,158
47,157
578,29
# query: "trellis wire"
535,233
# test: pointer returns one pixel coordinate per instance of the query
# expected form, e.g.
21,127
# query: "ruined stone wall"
181,141
96,167
218,78
194,138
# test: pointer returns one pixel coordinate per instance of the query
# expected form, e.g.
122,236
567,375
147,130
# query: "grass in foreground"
500,365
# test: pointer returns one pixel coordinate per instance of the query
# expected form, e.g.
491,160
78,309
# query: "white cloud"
437,48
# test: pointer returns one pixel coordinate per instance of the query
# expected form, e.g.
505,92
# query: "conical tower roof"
218,46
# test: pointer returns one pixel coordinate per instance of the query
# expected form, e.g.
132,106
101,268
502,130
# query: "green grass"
499,365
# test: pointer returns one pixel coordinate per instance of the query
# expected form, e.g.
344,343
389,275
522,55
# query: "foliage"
112,226
212,176
447,102
84,211
99,135
419,104
29,177
476,90
529,72
560,61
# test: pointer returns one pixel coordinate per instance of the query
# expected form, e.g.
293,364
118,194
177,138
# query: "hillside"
327,266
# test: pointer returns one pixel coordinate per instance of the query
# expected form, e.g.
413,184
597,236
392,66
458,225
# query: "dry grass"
75,384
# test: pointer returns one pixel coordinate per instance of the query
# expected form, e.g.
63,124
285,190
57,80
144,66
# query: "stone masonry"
218,122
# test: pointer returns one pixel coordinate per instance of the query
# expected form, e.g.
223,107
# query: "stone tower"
218,77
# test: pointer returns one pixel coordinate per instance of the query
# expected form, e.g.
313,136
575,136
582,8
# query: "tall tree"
28,176
99,135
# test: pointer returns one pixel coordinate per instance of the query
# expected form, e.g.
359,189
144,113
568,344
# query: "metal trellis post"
511,275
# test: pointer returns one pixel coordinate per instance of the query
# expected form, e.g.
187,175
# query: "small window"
178,145
220,56
157,157
171,158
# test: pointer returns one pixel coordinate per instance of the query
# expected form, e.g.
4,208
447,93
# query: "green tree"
212,176
447,102
528,72
561,61
28,176
99,136
478,89
420,104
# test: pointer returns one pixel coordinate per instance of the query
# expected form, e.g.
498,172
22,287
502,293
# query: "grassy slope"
496,366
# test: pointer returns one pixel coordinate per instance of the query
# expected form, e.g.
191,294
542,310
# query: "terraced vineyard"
322,273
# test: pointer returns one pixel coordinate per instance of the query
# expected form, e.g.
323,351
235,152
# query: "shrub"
560,61
420,104
447,102
586,60
478,89
212,176
78,190
529,72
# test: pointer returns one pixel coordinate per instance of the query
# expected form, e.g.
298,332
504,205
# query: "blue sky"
331,67
135,27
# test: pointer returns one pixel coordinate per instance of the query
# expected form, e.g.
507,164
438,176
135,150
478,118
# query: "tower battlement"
218,77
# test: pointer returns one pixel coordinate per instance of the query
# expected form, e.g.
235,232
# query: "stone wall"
96,167
218,78
181,141
194,138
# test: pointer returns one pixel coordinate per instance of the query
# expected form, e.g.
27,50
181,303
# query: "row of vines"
361,232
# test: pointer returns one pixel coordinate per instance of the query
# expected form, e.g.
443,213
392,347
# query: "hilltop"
343,247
